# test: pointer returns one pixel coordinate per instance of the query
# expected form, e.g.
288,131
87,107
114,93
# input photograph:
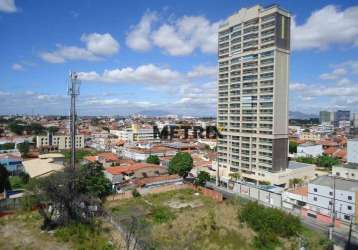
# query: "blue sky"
161,55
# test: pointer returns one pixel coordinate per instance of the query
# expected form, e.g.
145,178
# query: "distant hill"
300,115
154,112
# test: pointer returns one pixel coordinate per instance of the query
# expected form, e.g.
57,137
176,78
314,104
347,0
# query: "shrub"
135,193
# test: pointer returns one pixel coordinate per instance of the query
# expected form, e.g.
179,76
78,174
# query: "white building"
352,151
347,171
308,149
59,141
321,197
254,51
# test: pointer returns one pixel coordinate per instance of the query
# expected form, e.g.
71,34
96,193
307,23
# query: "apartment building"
59,142
324,117
254,51
323,199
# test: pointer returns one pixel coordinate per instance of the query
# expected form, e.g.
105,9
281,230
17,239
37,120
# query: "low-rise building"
309,149
295,199
347,171
12,163
326,200
141,154
118,175
44,165
58,142
309,136
107,159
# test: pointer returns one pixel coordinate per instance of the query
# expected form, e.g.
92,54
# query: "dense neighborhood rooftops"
341,184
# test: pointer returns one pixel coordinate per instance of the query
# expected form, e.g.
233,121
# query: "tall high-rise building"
355,120
324,117
342,115
254,51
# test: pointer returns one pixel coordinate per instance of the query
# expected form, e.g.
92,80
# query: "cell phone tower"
73,91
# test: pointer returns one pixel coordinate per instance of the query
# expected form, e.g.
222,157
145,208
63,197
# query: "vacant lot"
22,231
184,219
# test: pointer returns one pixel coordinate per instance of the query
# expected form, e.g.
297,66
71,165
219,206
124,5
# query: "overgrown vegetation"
80,154
270,224
71,196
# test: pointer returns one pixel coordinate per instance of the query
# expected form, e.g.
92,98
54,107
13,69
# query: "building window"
353,174
349,197
330,193
330,203
338,174
349,207
315,190
347,217
315,198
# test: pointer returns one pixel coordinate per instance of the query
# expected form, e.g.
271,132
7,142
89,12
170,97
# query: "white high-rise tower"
254,51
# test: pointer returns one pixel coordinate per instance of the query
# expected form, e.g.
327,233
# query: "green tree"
308,159
52,129
235,176
92,180
293,147
24,148
153,159
181,164
35,128
4,179
16,128
202,178
326,161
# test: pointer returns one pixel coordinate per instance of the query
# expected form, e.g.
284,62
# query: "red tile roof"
148,180
130,168
301,191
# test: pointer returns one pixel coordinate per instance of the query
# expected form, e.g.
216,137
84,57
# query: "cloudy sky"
159,55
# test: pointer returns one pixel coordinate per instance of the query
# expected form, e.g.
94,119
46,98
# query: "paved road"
340,236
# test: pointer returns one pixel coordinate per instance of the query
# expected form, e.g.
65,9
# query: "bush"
135,193
269,223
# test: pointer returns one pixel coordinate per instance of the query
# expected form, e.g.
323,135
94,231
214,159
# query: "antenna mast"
73,91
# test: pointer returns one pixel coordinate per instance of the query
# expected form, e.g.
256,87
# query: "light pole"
73,91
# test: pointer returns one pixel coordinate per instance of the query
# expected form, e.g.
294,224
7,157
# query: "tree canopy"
202,178
293,147
24,148
4,179
181,164
153,159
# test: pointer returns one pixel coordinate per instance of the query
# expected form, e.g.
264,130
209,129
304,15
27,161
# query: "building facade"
342,115
254,50
324,199
59,142
324,117
355,120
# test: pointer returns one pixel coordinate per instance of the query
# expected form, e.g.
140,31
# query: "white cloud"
101,44
138,38
8,6
326,27
145,74
202,71
98,46
175,37
17,67
187,34
336,74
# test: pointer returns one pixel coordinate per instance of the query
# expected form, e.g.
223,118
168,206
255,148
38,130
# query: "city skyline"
160,58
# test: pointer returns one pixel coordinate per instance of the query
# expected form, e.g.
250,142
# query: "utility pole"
333,209
73,91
